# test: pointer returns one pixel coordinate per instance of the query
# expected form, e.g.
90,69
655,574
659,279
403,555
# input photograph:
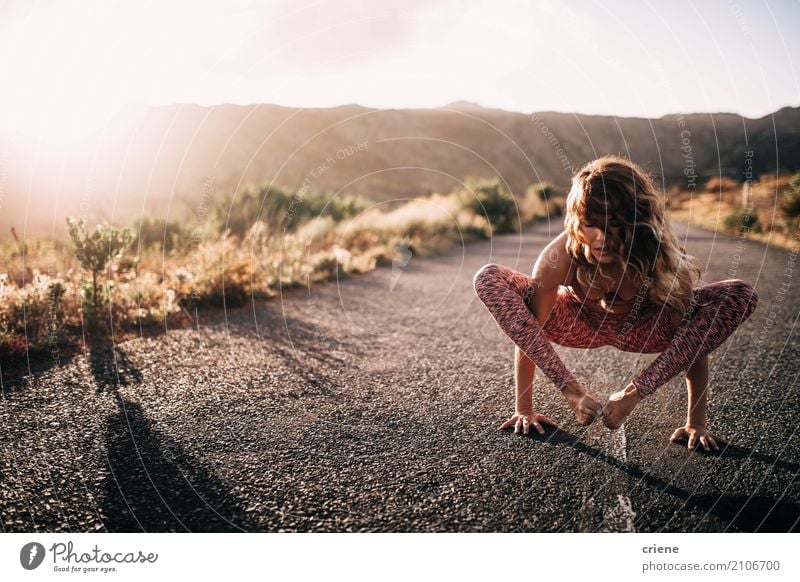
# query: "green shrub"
492,200
790,203
169,234
338,208
94,250
544,191
280,210
238,213
739,220
545,200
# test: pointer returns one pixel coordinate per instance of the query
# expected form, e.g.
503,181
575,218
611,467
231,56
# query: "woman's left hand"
694,433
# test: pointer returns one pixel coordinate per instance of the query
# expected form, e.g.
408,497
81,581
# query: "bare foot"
584,405
619,406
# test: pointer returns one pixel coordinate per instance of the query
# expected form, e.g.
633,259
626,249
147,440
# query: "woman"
616,276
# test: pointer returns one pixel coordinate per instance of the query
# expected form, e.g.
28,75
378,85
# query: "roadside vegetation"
103,280
767,210
124,280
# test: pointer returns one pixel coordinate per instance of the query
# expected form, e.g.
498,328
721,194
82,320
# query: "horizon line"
451,105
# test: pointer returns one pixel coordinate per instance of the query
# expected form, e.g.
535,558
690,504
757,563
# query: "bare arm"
697,387
696,428
524,368
552,269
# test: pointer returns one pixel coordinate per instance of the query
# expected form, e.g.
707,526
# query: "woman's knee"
740,297
489,271
486,277
493,279
745,295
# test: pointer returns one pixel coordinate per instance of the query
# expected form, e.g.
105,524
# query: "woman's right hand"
522,421
583,404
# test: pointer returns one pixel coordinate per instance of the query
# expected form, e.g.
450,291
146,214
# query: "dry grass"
720,205
43,291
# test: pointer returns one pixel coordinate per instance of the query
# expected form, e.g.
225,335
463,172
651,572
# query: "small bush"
31,316
167,234
544,200
739,220
94,249
491,199
724,184
281,211
337,208
238,213
544,191
790,202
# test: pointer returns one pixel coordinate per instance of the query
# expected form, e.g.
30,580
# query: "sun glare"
67,68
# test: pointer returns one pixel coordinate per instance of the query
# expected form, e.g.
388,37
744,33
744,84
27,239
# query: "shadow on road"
111,368
730,451
17,373
743,512
155,485
309,351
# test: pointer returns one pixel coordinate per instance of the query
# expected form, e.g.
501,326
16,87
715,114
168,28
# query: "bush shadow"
154,484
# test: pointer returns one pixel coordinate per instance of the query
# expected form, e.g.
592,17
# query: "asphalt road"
373,404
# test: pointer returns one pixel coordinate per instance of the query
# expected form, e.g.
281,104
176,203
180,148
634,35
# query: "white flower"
341,255
183,274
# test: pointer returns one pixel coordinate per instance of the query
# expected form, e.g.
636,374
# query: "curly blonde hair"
613,191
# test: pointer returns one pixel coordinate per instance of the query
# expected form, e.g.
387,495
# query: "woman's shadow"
154,484
756,513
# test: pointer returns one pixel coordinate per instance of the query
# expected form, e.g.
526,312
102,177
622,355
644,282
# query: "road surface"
373,403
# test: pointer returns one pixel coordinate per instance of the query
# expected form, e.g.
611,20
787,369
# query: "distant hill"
175,160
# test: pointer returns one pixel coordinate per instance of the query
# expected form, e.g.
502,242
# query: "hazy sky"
641,58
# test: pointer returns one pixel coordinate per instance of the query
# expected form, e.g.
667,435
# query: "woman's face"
596,233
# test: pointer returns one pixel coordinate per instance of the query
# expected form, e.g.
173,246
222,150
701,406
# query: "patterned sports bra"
601,299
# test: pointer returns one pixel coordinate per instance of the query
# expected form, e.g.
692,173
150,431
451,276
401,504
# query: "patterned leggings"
715,312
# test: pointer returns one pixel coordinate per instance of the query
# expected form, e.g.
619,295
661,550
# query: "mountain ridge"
159,159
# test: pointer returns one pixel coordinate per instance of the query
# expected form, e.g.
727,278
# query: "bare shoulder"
554,264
